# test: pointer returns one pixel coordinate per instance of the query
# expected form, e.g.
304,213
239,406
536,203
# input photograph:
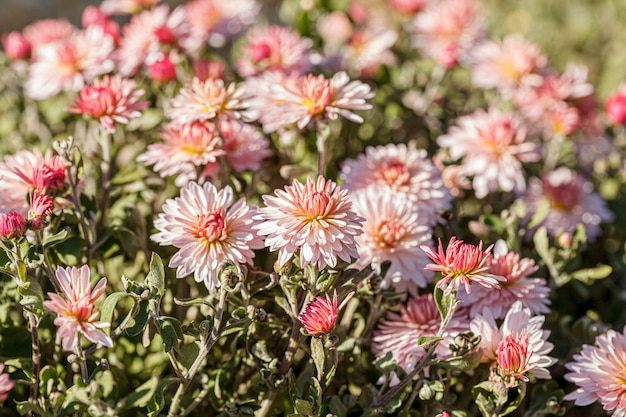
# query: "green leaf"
157,402
108,307
156,276
32,295
427,340
319,355
139,321
540,214
235,326
337,407
461,363
445,303
192,302
56,238
141,396
168,334
588,275
303,407
387,363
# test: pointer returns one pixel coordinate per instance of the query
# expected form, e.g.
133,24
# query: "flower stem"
34,323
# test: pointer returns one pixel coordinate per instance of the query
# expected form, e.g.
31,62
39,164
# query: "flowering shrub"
332,211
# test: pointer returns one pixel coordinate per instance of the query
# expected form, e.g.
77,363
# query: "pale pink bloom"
216,21
334,28
184,148
244,146
205,100
16,46
447,30
69,63
12,225
403,169
517,348
110,100
462,263
398,332
572,202
6,385
282,101
598,371
29,171
93,15
615,105
519,285
320,315
315,220
453,176
369,48
210,229
392,231
75,311
40,208
408,6
46,31
274,48
494,146
126,6
507,64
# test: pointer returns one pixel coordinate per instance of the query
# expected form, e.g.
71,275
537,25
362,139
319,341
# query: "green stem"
34,323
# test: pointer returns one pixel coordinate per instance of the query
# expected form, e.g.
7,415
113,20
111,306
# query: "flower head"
462,263
320,315
315,220
40,208
599,371
209,228
16,46
126,6
6,385
76,313
616,106
12,225
216,21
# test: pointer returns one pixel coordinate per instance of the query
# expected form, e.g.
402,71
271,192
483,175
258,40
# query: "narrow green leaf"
156,276
303,407
319,355
427,340
444,303
108,307
588,275
56,238
235,326
168,334
139,321
540,214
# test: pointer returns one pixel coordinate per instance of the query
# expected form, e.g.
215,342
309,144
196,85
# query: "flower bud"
162,70
12,225
16,46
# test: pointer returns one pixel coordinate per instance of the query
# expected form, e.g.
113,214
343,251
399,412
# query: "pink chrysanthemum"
398,332
47,31
516,349
6,385
205,100
126,6
274,48
12,225
109,100
599,371
185,148
29,171
518,285
368,49
462,263
209,228
282,101
572,202
245,147
40,208
494,146
408,6
507,64
392,231
76,313
315,220
616,106
320,315
404,170
16,46
69,63
446,30
216,21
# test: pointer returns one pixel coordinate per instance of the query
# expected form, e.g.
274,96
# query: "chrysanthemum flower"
315,220
462,263
446,30
16,46
282,101
216,21
616,106
572,202
93,15
245,146
398,332
494,146
109,100
516,349
368,49
111,7
209,229
274,48
185,148
599,373
518,285
40,208
69,63
320,315
47,31
76,313
6,385
12,225
205,100
404,170
392,231
407,6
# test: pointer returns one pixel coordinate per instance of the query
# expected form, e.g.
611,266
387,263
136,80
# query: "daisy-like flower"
462,263
392,231
369,48
209,228
76,313
69,63
494,146
126,6
599,372
399,331
93,15
185,148
274,48
446,30
245,147
516,349
216,21
404,170
282,101
27,171
320,315
12,225
6,385
507,64
47,31
205,100
40,208
518,285
109,100
572,202
315,220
